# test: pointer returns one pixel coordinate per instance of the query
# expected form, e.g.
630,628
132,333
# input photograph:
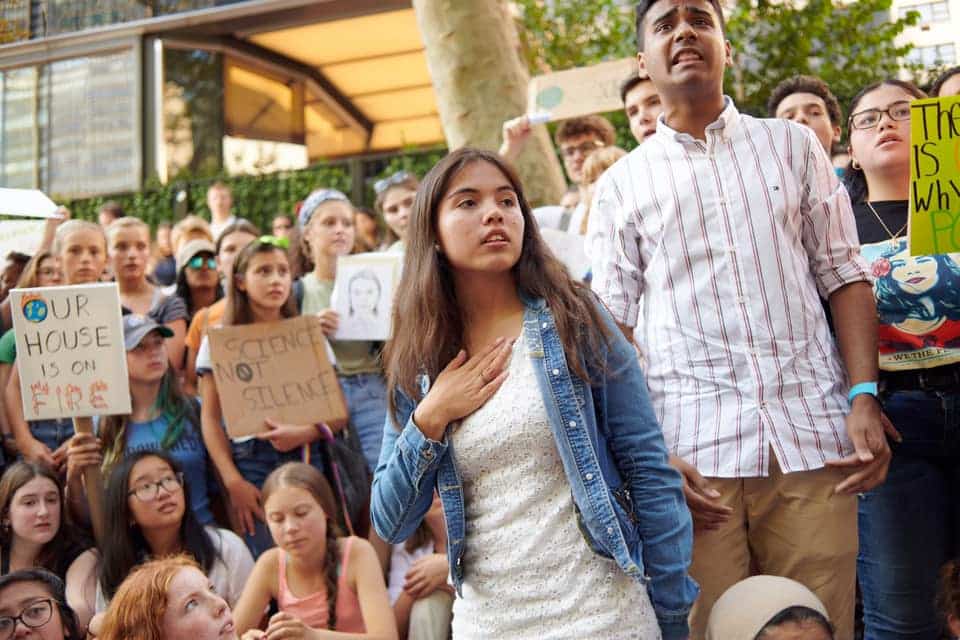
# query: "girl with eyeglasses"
43,270
146,517
81,248
907,524
395,195
161,418
34,528
259,291
32,601
128,243
327,219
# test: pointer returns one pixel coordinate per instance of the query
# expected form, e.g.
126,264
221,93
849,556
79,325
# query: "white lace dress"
528,572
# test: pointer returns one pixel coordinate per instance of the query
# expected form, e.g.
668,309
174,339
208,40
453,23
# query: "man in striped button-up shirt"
728,231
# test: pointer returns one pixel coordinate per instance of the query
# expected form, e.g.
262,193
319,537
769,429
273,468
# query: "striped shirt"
722,250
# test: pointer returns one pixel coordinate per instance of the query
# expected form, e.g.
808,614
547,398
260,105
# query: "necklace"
893,236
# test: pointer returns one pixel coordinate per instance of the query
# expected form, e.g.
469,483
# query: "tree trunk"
480,81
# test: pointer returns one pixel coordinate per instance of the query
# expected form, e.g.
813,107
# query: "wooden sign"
580,91
70,351
278,370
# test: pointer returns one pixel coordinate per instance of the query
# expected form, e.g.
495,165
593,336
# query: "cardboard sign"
276,370
70,351
26,203
363,295
580,91
935,176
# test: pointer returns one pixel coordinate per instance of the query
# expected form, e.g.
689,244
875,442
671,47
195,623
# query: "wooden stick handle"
93,481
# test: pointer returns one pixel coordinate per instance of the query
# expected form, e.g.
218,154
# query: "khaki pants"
430,617
788,525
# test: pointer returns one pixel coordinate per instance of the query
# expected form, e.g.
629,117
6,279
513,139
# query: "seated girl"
146,517
34,530
319,579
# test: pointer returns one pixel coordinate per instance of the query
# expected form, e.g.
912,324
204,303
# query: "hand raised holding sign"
463,387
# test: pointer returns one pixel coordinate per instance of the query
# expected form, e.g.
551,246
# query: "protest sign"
26,203
24,236
580,91
935,176
568,248
363,295
276,370
70,352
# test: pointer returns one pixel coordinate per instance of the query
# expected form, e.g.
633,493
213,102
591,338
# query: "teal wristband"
861,388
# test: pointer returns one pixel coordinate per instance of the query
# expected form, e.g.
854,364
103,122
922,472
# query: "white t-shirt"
229,573
216,228
400,562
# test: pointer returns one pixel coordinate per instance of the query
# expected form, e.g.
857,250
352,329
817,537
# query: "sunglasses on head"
197,262
398,178
280,243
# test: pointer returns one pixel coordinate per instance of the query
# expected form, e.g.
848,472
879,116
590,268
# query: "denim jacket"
629,501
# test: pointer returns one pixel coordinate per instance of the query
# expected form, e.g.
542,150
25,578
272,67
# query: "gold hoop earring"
854,164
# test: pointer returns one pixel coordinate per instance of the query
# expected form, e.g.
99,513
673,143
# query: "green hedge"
258,198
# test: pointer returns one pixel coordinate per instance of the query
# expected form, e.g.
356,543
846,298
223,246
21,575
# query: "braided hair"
304,476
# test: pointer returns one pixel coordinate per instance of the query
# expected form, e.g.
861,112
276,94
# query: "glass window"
92,137
18,128
14,20
193,111
929,11
934,55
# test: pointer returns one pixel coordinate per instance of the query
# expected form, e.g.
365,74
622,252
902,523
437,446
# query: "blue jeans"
52,433
908,525
255,460
366,396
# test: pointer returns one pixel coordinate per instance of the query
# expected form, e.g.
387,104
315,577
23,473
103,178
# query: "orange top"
312,609
206,317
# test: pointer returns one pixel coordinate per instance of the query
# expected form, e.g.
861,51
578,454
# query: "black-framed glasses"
585,148
148,491
197,262
869,118
33,616
385,183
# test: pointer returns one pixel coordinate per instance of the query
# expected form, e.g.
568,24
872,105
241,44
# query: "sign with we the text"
70,352
935,176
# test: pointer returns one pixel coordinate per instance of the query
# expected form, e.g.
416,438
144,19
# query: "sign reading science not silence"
70,352
277,370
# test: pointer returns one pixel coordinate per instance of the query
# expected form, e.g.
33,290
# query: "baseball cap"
746,607
136,327
191,249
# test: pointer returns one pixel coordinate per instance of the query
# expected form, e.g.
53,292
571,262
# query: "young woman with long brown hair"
516,397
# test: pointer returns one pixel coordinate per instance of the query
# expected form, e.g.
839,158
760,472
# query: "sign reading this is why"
935,176
70,352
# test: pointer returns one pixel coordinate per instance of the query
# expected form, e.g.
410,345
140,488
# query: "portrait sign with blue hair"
363,295
918,303
935,176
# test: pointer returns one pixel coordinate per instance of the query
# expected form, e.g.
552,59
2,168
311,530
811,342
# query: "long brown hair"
65,546
28,279
428,325
237,309
303,476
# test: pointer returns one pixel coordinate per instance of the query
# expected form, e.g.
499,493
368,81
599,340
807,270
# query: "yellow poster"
935,176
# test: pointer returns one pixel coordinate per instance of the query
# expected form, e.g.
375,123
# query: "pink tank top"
312,609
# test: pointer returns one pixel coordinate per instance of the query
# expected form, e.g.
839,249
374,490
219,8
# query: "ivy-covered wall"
259,198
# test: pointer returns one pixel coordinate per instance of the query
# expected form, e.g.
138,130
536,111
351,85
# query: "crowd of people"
740,425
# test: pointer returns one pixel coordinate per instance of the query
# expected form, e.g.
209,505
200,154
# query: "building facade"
99,96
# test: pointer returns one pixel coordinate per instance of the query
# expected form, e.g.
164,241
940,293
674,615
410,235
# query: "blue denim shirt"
628,499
